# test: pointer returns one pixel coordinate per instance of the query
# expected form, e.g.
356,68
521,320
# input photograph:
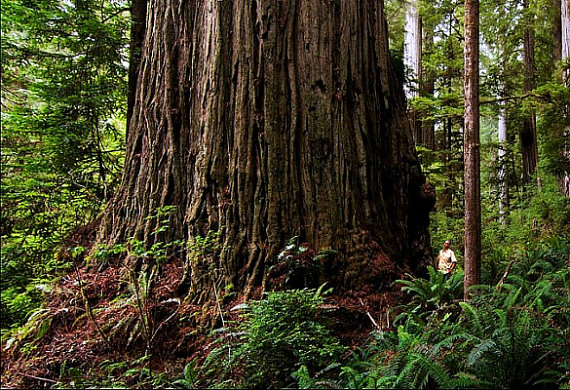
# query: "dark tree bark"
138,27
472,151
528,131
266,120
565,38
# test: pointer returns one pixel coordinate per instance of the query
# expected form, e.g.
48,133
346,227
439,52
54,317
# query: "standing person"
446,260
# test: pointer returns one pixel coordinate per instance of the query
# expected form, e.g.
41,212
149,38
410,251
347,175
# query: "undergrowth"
514,333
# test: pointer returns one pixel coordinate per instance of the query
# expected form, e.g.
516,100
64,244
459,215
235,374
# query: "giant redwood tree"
265,120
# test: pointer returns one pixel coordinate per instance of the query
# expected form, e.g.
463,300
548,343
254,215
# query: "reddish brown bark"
138,19
267,120
471,149
565,31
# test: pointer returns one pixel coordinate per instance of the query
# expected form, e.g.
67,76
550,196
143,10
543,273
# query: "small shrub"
280,334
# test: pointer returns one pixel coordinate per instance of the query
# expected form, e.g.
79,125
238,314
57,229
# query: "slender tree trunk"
428,88
502,174
265,120
565,30
471,149
565,27
528,133
556,6
502,139
138,20
413,63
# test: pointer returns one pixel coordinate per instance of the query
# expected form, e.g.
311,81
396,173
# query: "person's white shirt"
446,260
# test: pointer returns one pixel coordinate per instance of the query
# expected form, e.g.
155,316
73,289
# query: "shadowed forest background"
253,194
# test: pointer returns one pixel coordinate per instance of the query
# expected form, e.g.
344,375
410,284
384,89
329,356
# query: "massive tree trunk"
265,120
472,150
138,19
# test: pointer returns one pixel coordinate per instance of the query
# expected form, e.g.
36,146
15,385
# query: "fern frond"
464,380
403,378
433,369
473,317
480,350
452,339
512,298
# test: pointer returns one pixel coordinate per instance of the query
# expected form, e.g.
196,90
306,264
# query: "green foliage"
111,375
512,335
190,376
35,328
200,246
298,266
447,227
512,347
435,292
282,334
63,87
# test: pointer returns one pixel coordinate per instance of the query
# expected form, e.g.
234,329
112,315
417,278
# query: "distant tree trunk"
138,20
428,88
565,27
265,120
413,63
556,6
528,132
471,147
502,174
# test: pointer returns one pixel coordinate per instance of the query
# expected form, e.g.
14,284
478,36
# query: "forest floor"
95,325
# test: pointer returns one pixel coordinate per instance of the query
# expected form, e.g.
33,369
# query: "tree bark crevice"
268,120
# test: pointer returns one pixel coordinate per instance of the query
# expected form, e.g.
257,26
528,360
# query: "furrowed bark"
472,149
268,120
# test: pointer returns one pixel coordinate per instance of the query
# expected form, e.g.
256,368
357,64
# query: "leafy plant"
511,347
278,335
190,376
431,296
298,266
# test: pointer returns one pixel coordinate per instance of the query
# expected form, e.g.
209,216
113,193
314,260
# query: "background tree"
528,132
440,107
63,85
471,146
413,63
243,125
565,27
502,161
500,65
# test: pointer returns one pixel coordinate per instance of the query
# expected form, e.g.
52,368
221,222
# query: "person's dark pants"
446,276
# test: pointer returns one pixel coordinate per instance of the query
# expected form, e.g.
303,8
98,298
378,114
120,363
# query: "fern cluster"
508,336
513,334
278,339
